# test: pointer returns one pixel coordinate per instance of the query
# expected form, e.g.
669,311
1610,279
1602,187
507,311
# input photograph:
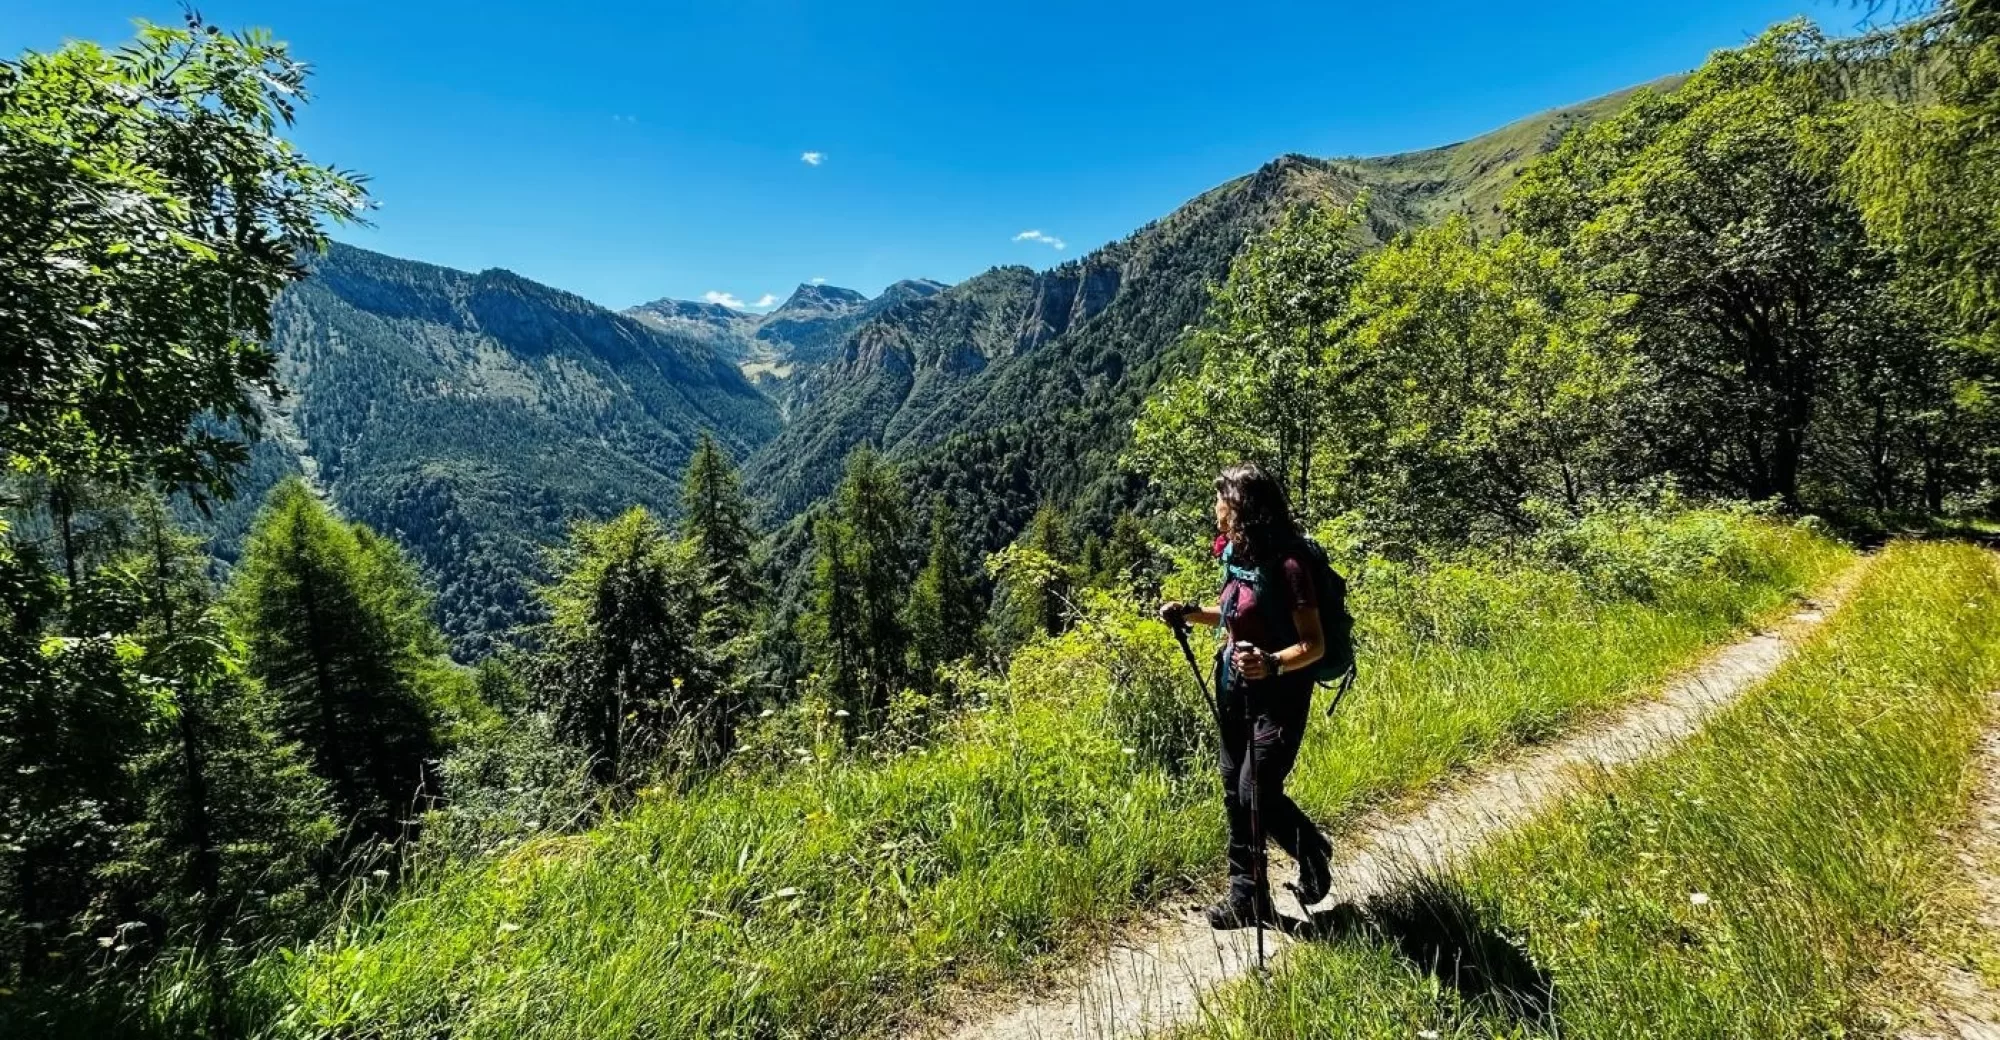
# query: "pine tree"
338,634
234,819
1128,557
634,657
716,517
860,585
943,615
832,630
71,718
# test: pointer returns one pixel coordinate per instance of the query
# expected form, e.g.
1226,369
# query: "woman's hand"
1251,663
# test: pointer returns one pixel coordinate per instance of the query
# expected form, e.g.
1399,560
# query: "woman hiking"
1264,687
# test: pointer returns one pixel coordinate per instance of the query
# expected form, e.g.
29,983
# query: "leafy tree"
1269,365
1485,386
1925,168
149,214
635,658
944,607
1034,581
338,634
1747,282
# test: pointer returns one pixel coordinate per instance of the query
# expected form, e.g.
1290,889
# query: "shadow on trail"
1431,923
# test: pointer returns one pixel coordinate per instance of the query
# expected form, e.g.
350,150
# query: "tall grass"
829,897
1753,883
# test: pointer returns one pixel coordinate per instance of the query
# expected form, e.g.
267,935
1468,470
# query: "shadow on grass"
1431,923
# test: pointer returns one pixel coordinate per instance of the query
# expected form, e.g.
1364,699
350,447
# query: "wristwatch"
1273,663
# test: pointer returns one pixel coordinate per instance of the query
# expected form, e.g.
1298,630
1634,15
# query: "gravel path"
1158,975
1965,1007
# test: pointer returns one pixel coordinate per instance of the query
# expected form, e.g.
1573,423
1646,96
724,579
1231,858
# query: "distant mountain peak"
822,297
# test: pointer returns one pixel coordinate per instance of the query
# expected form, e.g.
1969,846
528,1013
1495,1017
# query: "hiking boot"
1238,910
1315,872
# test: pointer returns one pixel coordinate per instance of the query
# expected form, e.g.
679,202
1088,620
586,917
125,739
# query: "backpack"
1336,625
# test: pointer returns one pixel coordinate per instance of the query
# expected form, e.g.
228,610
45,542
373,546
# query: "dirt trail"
1965,1007
1158,975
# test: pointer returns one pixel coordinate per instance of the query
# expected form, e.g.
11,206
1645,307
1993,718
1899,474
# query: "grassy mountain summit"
472,415
1469,177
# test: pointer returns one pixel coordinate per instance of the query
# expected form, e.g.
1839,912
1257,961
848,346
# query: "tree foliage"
860,583
149,215
636,660
338,634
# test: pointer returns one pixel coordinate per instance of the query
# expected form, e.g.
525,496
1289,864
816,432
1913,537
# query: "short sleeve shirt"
1248,622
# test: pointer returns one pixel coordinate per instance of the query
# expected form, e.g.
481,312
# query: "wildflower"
379,875
507,927
840,714
1427,1034
767,713
1131,751
1698,898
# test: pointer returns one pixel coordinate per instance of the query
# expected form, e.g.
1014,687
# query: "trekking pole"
1263,860
1180,627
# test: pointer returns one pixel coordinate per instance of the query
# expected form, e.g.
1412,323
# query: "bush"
507,783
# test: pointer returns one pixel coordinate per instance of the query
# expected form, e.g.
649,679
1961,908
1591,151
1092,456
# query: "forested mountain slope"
471,415
1015,387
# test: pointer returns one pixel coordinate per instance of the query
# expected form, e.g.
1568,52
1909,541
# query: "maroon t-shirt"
1249,622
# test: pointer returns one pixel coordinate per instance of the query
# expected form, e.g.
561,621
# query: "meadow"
1769,878
836,893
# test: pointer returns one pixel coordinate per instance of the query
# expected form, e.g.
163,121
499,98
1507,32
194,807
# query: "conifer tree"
1128,556
72,716
716,518
234,819
337,632
833,629
634,657
860,585
943,615
1033,581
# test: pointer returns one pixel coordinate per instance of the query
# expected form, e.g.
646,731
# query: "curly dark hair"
1262,511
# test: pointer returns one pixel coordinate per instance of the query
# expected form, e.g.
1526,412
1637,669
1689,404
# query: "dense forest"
323,569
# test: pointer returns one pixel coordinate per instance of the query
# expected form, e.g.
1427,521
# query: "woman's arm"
1193,613
1310,648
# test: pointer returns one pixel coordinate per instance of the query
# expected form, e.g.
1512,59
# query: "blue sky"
627,151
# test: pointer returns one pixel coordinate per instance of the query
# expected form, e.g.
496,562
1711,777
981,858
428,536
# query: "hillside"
1016,386
472,415
1470,177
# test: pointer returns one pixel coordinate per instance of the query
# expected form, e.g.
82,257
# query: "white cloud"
1032,235
735,302
819,279
813,158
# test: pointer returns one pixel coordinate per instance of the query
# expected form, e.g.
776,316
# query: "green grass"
1762,880
832,896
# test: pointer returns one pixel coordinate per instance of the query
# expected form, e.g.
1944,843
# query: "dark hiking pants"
1263,724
